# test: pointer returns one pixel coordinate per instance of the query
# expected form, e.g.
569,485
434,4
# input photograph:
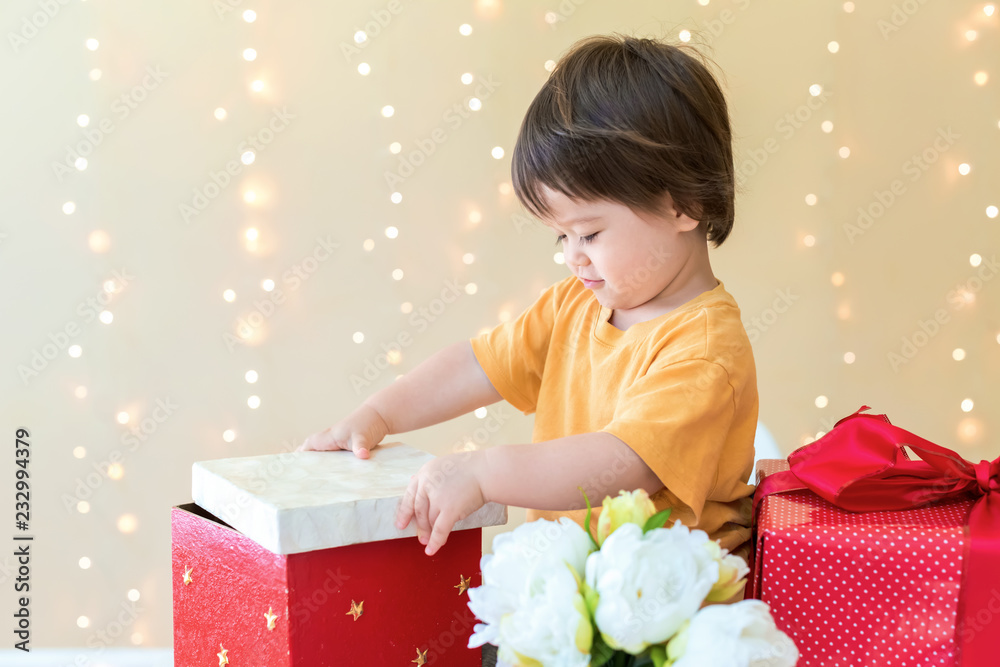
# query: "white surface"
304,501
110,657
764,448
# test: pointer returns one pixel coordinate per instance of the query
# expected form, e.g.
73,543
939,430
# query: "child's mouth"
591,283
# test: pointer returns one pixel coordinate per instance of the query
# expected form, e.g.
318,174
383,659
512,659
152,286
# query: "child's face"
627,258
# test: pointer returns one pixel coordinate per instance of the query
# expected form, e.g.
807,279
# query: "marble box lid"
294,502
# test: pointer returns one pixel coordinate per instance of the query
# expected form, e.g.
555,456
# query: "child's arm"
448,384
544,476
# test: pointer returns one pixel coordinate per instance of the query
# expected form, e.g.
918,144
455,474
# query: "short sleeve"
513,354
677,418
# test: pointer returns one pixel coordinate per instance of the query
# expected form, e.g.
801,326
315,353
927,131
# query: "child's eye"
583,239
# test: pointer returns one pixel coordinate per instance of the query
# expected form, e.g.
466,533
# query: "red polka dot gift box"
294,560
867,556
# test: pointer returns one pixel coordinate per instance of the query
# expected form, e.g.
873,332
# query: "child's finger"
421,507
442,527
361,446
405,511
320,442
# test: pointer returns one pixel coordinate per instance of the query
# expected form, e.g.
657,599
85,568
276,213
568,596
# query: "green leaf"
600,652
587,520
656,521
659,655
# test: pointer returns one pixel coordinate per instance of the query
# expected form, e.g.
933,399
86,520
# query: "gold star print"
223,660
463,584
271,618
187,575
356,610
421,658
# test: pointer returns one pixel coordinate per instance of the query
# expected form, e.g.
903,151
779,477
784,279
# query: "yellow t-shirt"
680,390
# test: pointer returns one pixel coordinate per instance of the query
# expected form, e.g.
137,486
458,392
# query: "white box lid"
294,502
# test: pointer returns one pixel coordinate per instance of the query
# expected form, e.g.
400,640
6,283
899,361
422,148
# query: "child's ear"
683,223
680,221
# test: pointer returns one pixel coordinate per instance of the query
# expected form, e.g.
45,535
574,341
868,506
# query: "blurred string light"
127,523
364,69
465,29
99,241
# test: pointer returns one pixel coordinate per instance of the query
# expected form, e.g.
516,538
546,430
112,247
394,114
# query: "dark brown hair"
629,119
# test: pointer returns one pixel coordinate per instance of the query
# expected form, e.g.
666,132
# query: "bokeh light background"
374,223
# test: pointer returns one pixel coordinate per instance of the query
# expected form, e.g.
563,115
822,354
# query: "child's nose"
575,257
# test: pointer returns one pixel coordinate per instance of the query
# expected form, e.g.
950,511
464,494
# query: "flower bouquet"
554,596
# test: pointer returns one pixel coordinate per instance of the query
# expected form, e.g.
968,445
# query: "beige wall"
889,96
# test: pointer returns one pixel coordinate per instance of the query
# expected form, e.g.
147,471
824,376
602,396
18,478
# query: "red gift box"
294,560
868,588
868,557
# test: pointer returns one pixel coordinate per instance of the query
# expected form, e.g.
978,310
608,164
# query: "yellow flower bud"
634,507
732,574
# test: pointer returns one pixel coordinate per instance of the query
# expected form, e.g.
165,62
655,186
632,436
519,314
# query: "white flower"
552,626
519,559
742,634
649,585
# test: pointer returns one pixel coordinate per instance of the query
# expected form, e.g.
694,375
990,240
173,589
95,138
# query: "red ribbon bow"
861,466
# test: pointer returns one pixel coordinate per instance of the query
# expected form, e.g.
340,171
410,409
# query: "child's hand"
361,431
442,493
